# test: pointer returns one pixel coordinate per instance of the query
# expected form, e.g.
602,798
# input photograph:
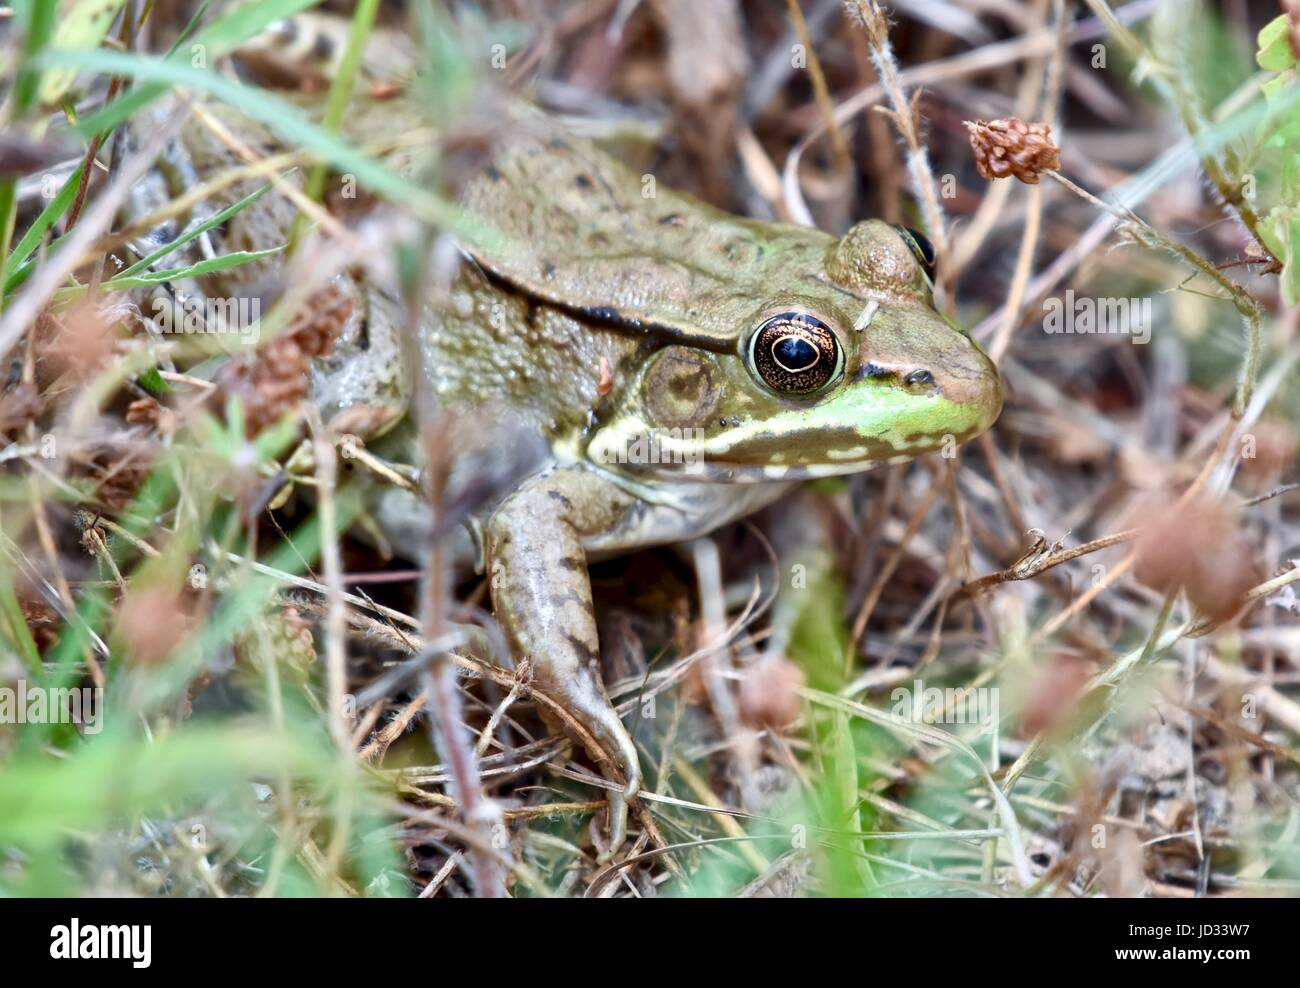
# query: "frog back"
567,224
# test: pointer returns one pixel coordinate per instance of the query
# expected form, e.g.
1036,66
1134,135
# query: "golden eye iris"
794,352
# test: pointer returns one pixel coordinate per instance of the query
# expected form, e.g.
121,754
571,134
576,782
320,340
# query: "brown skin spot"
559,601
583,650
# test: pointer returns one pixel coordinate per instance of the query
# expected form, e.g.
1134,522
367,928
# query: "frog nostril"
920,379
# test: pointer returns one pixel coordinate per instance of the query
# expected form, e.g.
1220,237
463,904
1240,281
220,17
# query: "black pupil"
794,354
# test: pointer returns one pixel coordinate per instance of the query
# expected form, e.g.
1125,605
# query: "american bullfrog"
682,367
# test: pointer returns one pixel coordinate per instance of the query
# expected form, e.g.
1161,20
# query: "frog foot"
619,744
594,723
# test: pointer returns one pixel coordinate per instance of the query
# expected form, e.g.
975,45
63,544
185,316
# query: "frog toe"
617,827
621,766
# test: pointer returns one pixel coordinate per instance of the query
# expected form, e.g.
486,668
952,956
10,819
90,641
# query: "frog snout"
936,361
964,374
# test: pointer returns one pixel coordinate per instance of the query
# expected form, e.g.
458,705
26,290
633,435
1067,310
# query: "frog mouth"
859,431
722,472
666,456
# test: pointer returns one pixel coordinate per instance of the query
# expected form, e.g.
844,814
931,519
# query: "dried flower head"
1053,694
1198,546
152,621
769,693
78,342
274,380
42,621
1269,448
1010,147
152,415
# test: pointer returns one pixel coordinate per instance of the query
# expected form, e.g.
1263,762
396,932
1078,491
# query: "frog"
678,367
684,367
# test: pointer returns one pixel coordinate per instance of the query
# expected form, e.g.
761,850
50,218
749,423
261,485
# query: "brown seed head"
769,693
151,622
1198,546
274,380
1012,148
1053,694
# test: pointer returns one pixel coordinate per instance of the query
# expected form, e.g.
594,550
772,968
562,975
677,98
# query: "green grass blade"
189,235
36,232
215,40
209,265
283,118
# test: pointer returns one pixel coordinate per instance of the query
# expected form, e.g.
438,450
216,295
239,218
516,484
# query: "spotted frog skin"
679,366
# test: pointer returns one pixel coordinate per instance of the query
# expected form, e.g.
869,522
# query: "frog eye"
795,353
921,248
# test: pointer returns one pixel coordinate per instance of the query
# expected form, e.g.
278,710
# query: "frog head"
852,367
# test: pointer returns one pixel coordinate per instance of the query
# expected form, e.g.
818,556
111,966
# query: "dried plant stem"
395,728
481,814
489,729
1035,565
839,144
1020,279
699,787
717,663
882,578
1174,88
335,625
904,115
1034,219
1246,306
335,643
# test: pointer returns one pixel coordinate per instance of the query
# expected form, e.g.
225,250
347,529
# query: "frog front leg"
537,571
